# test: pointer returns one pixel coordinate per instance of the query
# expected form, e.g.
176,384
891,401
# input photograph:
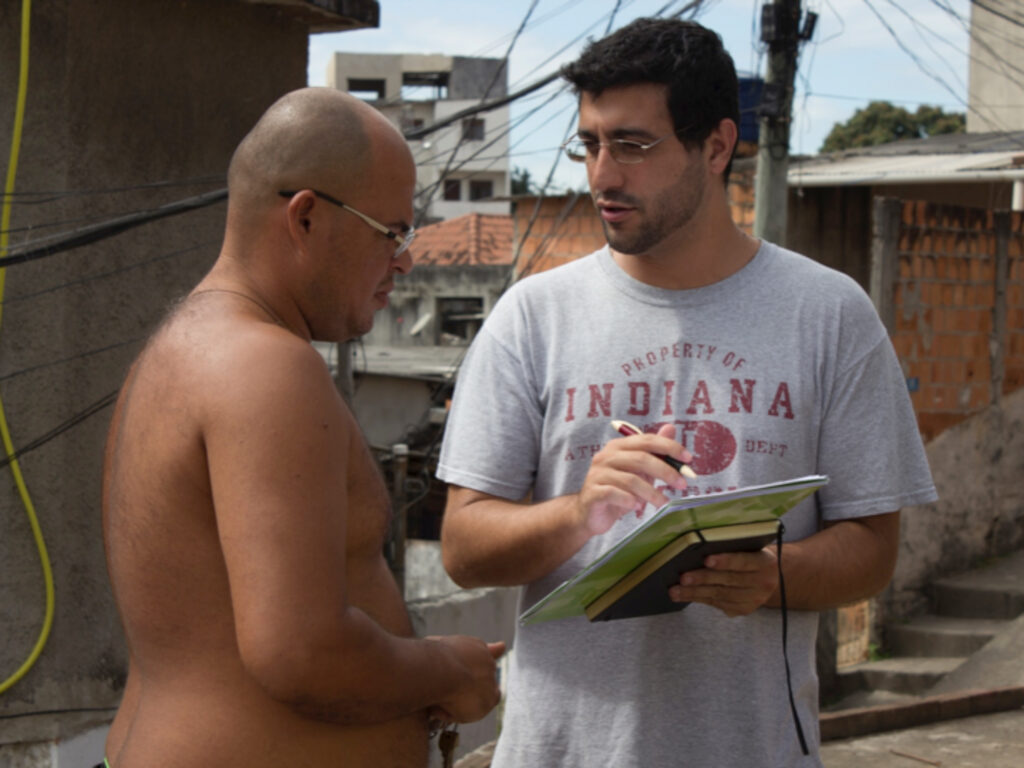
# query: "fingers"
735,583
625,476
668,431
497,650
601,504
438,718
478,691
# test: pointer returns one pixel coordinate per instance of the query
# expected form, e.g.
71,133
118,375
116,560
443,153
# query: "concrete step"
931,636
994,590
903,675
863,699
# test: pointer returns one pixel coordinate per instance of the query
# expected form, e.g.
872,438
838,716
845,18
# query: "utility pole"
781,30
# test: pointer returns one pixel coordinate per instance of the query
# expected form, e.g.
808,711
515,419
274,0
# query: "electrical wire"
48,246
921,29
72,710
104,275
694,7
49,196
79,356
1005,65
484,106
107,400
447,172
1005,16
535,23
921,65
502,69
11,454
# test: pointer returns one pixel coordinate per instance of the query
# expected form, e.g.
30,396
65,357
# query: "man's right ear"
299,211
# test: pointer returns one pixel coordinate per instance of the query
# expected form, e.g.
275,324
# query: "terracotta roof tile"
476,238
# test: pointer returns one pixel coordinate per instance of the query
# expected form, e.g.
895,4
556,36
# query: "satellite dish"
420,324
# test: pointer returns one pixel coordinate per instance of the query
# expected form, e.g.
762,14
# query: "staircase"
970,609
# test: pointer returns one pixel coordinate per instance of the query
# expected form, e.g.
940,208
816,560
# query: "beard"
666,214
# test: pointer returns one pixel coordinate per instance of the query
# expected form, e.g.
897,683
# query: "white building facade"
461,168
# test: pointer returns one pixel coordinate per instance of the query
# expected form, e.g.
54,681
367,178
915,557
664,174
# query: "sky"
908,52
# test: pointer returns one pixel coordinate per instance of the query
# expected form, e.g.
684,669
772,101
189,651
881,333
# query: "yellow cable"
5,220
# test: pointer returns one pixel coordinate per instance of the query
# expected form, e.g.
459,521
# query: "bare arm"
279,446
489,541
848,560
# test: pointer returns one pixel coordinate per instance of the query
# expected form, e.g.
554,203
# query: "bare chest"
368,503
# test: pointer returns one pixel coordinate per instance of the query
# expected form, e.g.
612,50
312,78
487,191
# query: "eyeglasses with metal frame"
402,241
624,151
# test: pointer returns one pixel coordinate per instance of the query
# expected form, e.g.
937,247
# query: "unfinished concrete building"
463,167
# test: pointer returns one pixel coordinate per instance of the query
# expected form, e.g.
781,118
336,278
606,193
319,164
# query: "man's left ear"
719,145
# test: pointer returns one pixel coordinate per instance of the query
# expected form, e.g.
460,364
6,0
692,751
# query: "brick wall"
558,230
958,310
566,227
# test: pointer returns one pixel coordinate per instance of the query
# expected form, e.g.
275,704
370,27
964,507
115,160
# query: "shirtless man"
243,515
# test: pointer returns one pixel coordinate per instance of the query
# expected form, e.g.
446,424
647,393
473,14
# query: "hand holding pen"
624,475
626,429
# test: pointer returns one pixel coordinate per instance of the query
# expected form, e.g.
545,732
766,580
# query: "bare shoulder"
229,364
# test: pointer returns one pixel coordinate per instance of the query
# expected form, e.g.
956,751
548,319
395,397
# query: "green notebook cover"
744,505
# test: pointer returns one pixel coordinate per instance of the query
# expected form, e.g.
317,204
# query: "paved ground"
984,741
994,740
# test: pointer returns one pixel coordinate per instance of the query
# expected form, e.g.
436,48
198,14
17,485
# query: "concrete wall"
995,99
415,296
131,105
445,153
486,613
476,78
388,407
978,467
446,209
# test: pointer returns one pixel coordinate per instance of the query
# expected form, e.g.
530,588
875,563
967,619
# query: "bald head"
310,138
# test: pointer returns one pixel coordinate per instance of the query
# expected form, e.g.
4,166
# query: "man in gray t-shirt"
750,362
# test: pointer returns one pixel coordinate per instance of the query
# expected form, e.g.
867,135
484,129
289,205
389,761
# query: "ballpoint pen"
626,429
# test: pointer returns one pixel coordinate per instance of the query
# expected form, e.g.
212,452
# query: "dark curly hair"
688,58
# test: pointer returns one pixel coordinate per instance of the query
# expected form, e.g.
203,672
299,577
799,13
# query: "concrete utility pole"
780,28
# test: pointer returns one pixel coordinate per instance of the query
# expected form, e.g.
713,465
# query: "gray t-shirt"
781,370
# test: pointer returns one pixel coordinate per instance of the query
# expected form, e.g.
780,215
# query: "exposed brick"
1013,379
948,345
978,369
981,396
981,270
905,322
903,344
950,371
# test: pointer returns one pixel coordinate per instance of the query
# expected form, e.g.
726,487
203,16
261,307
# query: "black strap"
785,654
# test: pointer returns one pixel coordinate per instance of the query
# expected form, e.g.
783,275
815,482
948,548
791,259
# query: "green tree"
522,184
880,122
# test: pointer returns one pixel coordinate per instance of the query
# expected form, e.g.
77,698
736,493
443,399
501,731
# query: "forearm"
491,542
486,540
355,672
845,562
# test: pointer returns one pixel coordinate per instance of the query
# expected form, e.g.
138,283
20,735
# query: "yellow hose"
5,222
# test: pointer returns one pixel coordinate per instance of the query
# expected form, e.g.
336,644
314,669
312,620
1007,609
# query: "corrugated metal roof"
941,159
915,169
434,363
